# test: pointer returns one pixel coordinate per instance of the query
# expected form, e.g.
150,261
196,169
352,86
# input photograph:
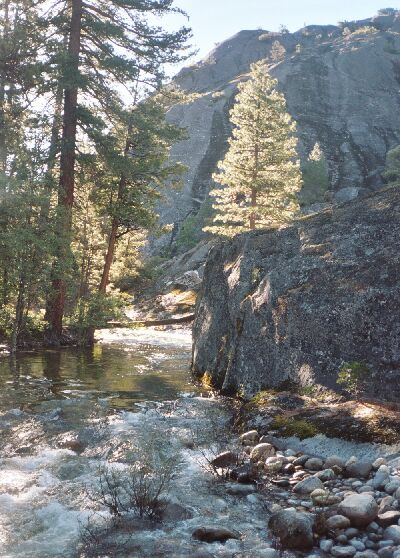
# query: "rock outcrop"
342,88
293,305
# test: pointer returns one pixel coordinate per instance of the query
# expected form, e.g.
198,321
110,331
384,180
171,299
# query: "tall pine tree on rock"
260,174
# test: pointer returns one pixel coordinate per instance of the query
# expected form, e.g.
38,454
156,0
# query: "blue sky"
213,21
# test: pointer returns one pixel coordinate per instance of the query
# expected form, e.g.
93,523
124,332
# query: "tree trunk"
67,174
253,203
112,241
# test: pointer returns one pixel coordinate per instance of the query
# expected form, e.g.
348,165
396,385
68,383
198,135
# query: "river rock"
325,545
314,464
366,554
261,452
381,478
388,518
326,475
249,438
240,489
301,460
343,551
308,485
293,528
215,534
378,462
273,464
358,469
361,509
334,460
386,504
337,522
224,459
392,533
246,473
392,486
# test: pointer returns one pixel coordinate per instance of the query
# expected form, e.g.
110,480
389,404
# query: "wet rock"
314,464
215,534
366,554
358,545
176,512
361,509
388,518
249,438
343,551
293,528
225,459
308,485
337,522
246,473
261,452
392,533
240,489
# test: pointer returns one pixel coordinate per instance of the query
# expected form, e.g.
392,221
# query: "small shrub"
365,30
289,426
353,375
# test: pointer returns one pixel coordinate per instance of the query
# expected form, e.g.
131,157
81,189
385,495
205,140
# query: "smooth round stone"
358,545
337,522
314,464
386,552
392,533
378,462
343,551
385,544
334,461
342,539
392,486
326,545
351,532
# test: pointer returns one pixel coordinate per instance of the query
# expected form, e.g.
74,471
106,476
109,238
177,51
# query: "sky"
214,21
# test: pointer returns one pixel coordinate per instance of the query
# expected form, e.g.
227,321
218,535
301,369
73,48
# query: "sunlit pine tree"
260,174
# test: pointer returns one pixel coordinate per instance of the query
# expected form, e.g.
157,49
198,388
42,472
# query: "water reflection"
122,376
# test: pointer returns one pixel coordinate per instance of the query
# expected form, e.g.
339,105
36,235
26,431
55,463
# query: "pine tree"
315,177
260,174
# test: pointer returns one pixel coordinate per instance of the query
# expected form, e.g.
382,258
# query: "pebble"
314,464
358,545
326,545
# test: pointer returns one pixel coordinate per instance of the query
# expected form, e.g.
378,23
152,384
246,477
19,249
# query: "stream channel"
65,414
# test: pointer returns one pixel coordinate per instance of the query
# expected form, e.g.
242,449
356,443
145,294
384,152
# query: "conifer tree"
392,167
260,174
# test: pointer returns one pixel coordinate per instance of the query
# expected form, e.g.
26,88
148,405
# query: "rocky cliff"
295,304
342,86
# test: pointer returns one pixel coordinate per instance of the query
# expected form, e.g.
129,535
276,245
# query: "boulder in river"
293,528
308,485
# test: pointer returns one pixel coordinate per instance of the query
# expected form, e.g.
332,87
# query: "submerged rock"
215,534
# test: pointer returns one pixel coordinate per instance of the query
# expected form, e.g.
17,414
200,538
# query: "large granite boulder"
341,89
293,305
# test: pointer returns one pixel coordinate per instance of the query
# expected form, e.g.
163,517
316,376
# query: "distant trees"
392,167
315,177
260,174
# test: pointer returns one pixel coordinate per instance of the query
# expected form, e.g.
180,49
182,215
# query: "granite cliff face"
295,304
342,89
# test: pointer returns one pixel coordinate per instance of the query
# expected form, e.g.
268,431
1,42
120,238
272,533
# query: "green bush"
365,30
148,272
353,375
289,426
95,312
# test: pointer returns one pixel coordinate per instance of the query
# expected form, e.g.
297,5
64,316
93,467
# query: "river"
66,414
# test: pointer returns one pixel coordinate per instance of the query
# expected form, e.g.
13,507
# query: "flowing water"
64,414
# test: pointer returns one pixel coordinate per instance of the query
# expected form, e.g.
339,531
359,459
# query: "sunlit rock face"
293,305
343,91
